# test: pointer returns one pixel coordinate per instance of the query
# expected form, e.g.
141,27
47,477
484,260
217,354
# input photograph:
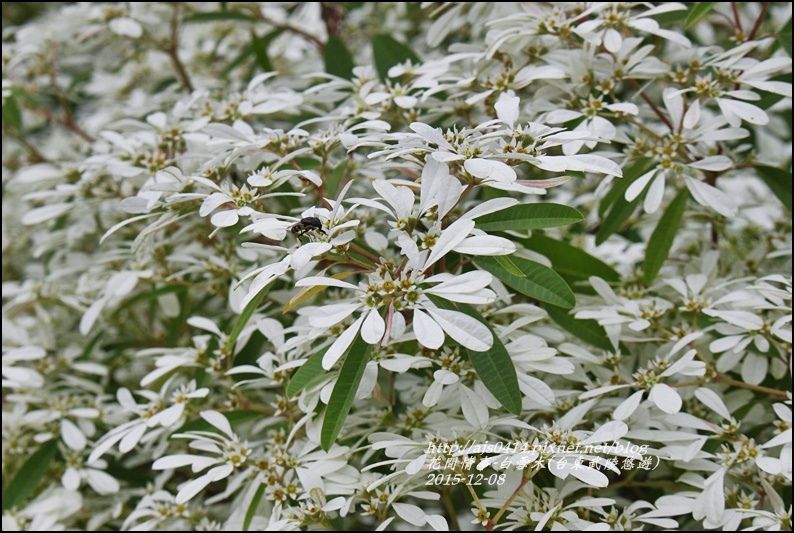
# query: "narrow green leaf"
128,475
570,260
245,316
26,99
779,181
495,367
588,330
619,185
218,15
332,187
29,476
350,6
700,10
12,117
784,37
305,163
338,60
344,391
89,348
251,511
621,209
670,18
529,216
260,45
661,240
308,372
506,263
388,52
538,281
239,59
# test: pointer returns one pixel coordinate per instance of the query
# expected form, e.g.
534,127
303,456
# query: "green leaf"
260,45
529,216
507,263
245,316
308,372
332,187
670,18
570,260
700,10
537,281
29,476
12,117
344,391
779,181
619,185
218,15
621,210
784,37
495,367
131,476
389,52
588,330
663,236
237,61
338,60
251,511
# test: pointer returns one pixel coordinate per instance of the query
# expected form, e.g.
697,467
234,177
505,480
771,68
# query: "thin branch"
650,102
758,388
332,16
292,29
67,121
171,50
33,153
736,20
757,24
69,125
449,507
495,520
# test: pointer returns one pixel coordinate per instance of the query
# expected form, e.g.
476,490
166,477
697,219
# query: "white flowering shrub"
356,266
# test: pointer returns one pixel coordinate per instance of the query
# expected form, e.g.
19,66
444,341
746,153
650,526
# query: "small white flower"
232,454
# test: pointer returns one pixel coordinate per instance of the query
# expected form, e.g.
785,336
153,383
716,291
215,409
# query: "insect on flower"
307,224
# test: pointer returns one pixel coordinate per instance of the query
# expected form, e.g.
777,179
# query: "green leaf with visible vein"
245,316
620,209
588,330
661,240
251,511
344,391
494,366
700,10
536,280
569,260
529,216
28,477
306,373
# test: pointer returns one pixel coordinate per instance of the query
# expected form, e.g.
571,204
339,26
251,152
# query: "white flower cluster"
265,265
